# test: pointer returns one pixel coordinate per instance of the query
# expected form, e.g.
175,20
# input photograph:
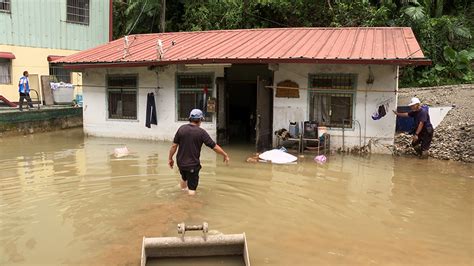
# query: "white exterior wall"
97,123
379,132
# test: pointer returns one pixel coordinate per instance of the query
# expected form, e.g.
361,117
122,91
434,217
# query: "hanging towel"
204,100
150,110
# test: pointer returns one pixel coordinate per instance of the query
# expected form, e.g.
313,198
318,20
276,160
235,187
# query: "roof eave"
396,61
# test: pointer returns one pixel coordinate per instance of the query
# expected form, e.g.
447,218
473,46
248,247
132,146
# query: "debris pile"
403,145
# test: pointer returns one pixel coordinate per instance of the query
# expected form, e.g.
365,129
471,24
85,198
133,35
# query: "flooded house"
250,83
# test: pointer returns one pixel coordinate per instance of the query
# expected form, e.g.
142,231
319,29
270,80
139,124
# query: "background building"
34,33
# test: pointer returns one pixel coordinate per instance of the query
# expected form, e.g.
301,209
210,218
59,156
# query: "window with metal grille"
77,11
5,5
5,71
122,97
58,73
193,91
332,99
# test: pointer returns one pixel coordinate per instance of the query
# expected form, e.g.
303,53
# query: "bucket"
79,99
322,131
294,129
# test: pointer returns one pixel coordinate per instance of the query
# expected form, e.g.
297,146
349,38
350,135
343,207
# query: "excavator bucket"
221,246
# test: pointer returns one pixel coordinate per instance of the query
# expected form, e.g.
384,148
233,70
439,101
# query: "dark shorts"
424,139
191,176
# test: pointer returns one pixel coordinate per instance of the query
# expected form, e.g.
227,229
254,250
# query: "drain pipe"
343,132
360,133
343,148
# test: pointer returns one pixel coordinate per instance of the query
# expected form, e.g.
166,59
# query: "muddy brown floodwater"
64,199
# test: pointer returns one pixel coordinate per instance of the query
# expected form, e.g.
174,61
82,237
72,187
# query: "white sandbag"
278,157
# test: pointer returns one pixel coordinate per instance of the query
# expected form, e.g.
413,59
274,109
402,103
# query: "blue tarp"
404,124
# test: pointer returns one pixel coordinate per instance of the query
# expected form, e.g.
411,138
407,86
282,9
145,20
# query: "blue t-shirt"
421,116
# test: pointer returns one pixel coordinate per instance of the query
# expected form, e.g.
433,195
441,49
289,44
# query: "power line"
135,23
269,20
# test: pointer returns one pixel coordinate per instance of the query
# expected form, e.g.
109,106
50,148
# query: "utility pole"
163,16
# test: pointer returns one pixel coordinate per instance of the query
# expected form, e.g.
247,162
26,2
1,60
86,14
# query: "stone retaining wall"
29,122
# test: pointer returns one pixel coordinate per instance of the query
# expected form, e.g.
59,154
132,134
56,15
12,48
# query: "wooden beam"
319,89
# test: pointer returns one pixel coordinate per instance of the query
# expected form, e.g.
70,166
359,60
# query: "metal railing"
38,100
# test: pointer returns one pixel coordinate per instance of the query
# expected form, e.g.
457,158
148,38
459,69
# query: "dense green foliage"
443,28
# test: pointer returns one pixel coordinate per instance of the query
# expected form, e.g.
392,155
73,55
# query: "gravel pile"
454,137
403,145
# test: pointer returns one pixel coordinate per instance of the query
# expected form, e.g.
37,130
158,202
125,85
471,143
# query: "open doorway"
242,103
245,104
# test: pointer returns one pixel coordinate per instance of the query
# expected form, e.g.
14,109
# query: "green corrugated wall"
42,23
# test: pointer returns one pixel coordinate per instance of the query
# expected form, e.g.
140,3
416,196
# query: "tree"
437,24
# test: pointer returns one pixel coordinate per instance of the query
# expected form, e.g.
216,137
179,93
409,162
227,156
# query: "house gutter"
400,62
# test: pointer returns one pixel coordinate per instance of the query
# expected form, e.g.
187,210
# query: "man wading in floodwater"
188,141
423,128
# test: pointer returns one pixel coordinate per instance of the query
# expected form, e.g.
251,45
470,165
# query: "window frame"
107,77
9,4
86,17
352,92
10,71
208,119
53,66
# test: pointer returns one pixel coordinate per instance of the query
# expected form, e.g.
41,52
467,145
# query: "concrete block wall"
14,123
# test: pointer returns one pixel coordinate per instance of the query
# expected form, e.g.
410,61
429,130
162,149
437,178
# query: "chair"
297,140
321,143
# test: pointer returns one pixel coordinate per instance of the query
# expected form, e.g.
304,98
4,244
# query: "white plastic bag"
278,157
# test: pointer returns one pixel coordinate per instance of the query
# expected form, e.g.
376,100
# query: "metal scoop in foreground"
195,246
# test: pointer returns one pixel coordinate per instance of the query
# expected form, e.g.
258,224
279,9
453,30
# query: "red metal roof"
397,46
54,57
7,55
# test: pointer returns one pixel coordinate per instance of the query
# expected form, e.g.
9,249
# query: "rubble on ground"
454,138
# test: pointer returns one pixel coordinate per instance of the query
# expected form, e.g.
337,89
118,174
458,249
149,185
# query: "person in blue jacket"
423,128
24,90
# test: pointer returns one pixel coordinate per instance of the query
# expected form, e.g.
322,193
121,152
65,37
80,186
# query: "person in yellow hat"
423,128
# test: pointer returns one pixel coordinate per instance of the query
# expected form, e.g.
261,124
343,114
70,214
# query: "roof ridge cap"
263,29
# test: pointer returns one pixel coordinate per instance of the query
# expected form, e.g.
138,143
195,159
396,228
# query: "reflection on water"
64,199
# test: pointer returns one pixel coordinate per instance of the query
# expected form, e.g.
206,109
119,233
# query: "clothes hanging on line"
381,111
150,110
204,100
